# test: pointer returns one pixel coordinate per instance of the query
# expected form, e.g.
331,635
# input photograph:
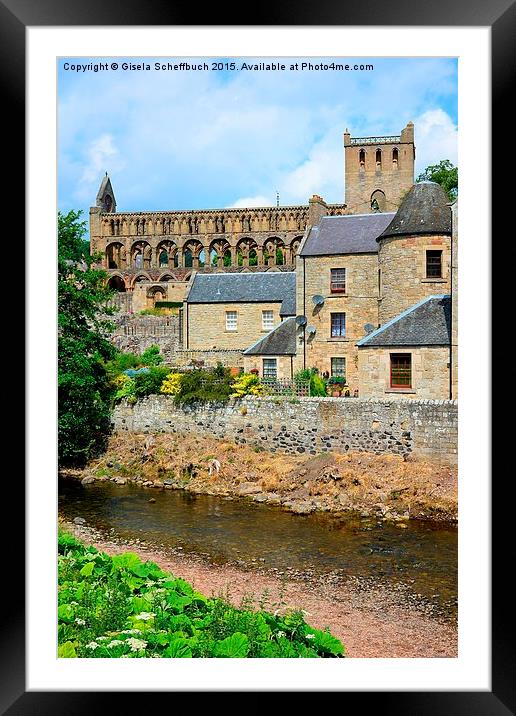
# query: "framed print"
272,224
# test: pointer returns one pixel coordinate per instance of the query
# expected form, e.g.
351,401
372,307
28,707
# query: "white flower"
92,645
102,638
144,616
114,643
130,631
136,644
280,633
310,636
80,622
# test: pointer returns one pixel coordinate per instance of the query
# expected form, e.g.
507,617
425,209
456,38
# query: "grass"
121,607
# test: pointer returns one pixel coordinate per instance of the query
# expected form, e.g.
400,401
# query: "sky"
215,139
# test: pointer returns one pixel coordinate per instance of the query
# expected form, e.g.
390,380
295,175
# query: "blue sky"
180,140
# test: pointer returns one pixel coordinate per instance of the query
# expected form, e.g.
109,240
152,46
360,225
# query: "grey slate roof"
259,287
425,324
424,210
280,341
348,234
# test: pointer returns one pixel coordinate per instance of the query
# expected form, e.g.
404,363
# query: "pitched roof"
425,324
348,234
259,287
280,341
424,210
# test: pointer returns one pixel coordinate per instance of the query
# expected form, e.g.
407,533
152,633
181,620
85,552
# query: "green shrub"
151,356
204,385
112,607
149,383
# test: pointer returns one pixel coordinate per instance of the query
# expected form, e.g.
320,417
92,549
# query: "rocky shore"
390,487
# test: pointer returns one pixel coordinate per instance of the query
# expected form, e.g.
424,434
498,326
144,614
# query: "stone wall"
134,334
228,358
425,429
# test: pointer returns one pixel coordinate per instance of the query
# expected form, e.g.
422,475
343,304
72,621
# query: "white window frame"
275,367
232,321
267,320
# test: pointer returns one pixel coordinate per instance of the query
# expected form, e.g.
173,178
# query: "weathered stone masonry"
426,429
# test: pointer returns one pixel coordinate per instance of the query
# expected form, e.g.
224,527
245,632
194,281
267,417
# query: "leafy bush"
247,384
317,384
84,390
204,385
121,362
121,607
172,384
151,356
149,383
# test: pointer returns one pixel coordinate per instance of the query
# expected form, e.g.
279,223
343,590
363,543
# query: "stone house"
233,310
273,355
409,356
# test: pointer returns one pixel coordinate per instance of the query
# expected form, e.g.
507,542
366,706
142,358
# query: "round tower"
414,251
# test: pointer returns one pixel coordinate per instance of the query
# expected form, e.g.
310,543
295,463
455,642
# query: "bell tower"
379,171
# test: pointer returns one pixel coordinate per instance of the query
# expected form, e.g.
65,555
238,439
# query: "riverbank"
372,621
388,486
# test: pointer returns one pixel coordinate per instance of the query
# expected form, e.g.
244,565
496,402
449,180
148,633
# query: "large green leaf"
235,646
65,612
327,643
177,602
87,569
178,649
128,560
66,651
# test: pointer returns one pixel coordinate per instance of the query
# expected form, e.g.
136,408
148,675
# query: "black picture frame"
500,16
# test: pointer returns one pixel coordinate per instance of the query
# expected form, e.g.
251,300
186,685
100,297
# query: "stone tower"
414,251
379,171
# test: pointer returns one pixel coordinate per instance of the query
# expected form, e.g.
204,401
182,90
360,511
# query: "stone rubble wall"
425,429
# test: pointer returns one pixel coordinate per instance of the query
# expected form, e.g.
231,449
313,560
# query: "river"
421,558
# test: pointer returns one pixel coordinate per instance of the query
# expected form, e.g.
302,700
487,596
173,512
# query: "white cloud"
101,156
435,138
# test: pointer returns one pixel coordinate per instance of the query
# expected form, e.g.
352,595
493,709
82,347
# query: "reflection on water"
423,556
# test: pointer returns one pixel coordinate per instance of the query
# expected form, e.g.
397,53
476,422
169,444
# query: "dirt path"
370,621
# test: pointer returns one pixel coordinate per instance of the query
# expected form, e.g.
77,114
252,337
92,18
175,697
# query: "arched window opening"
378,158
227,257
163,258
117,284
361,158
253,258
138,259
395,158
378,200
188,259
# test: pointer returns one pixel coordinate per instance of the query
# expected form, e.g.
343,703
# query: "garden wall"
425,429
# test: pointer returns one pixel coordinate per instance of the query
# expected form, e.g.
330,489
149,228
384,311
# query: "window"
231,320
434,264
338,325
361,158
338,367
401,370
395,158
267,320
270,369
378,158
338,280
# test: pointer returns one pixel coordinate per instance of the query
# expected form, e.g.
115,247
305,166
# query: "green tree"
84,390
444,174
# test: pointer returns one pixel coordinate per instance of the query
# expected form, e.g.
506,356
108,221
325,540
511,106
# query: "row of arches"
193,254
272,220
121,284
395,158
